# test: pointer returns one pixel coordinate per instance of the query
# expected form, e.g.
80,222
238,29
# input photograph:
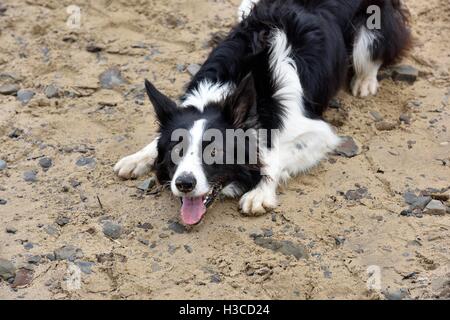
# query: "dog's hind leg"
378,44
245,8
139,163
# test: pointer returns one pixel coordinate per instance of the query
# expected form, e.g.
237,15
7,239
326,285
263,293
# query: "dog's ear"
241,105
164,107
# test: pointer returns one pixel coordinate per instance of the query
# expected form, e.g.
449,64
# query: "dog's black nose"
186,182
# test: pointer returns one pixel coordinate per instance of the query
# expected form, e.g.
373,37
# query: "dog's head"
203,150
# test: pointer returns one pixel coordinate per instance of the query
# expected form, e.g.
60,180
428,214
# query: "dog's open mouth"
193,209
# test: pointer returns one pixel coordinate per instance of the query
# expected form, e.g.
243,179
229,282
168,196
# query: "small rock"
144,241
51,91
23,278
193,69
7,269
146,226
62,221
256,233
172,248
181,67
285,247
34,259
3,202
177,227
3,165
11,230
85,266
45,163
435,207
16,133
399,294
215,278
163,235
83,161
112,230
188,248
28,245
9,89
353,195
405,118
348,148
30,176
25,96
74,183
405,73
339,241
147,184
93,47
111,78
68,253
377,117
385,126
51,230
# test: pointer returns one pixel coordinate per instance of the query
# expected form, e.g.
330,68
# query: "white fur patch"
302,142
206,92
139,163
192,162
365,82
245,8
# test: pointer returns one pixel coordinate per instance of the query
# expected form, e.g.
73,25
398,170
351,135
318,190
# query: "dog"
277,70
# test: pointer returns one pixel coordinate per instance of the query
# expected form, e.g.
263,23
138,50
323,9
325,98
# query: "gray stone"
435,207
34,259
3,165
215,278
188,248
399,294
348,148
25,95
51,91
7,269
405,73
176,227
172,248
45,163
112,230
376,116
28,245
51,230
354,195
147,184
68,253
30,176
85,266
385,126
193,68
62,221
9,89
3,202
83,161
285,247
181,67
405,118
111,78
256,233
93,47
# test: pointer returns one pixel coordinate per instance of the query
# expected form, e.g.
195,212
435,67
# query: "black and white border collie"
277,70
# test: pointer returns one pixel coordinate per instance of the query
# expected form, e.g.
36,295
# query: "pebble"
25,96
34,259
435,207
353,195
416,202
405,73
30,176
285,247
7,269
147,184
339,241
385,126
11,230
399,294
83,161
193,69
146,226
3,165
51,91
377,117
256,233
111,78
23,278
177,227
3,202
51,230
93,47
28,245
62,221
215,278
112,230
16,133
144,241
9,89
188,248
172,248
85,266
68,253
348,148
405,118
45,163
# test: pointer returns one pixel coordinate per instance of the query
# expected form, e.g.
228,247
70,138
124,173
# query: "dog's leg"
245,8
139,163
365,81
260,199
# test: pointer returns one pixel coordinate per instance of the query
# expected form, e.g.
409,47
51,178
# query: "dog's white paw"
258,201
133,166
364,87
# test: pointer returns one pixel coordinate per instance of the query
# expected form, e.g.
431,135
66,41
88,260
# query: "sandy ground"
342,244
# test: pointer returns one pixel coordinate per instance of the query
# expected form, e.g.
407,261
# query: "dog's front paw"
364,87
133,166
258,201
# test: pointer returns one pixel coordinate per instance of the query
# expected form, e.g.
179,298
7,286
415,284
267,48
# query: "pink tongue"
192,210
